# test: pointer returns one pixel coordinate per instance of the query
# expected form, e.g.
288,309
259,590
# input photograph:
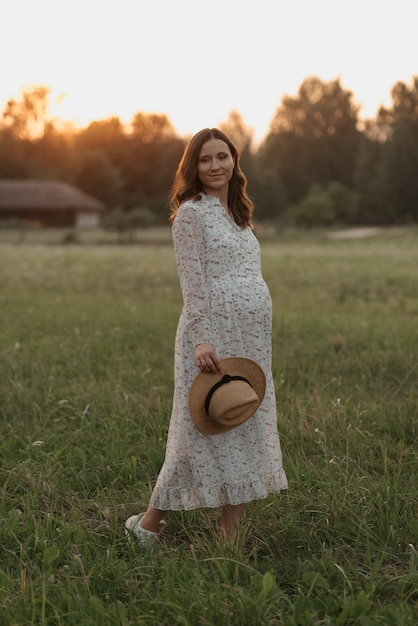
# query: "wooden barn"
48,204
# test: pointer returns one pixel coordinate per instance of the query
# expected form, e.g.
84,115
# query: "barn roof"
55,195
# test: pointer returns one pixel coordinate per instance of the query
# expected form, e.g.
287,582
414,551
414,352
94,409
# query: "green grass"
86,341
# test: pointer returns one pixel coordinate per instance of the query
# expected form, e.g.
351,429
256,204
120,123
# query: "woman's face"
215,166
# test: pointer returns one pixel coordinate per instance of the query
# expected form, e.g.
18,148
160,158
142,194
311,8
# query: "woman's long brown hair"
187,184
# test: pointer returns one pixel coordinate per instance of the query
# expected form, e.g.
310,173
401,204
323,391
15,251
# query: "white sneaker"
146,538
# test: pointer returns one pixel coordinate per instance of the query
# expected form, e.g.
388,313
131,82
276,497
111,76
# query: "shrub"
324,206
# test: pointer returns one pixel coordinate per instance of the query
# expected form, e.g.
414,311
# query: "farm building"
47,203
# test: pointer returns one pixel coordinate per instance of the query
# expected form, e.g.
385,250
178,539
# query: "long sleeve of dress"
189,247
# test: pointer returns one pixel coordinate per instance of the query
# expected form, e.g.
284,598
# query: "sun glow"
103,59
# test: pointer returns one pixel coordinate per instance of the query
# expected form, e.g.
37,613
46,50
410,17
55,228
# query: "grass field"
86,340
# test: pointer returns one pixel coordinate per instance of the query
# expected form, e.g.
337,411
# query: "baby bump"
241,303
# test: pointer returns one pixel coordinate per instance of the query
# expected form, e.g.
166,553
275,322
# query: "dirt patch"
364,232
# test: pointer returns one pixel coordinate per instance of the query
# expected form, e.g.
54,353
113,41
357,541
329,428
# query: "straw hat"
219,402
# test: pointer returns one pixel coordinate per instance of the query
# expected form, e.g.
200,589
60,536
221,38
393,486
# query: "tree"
399,160
27,118
109,136
398,173
23,122
313,138
152,128
154,150
96,175
404,107
368,183
267,191
14,161
242,136
140,159
239,133
52,154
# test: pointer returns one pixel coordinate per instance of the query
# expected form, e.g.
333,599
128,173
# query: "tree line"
319,164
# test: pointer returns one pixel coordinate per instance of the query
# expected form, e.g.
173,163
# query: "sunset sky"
196,61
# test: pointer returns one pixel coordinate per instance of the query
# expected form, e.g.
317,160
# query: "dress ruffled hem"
214,496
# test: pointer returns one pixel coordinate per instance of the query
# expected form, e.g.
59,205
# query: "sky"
196,61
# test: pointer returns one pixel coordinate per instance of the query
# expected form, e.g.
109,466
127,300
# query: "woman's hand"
206,359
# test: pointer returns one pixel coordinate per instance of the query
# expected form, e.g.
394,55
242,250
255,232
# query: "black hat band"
226,378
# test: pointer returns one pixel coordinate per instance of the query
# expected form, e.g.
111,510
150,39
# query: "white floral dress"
226,303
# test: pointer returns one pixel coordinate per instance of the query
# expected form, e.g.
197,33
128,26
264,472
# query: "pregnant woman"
223,448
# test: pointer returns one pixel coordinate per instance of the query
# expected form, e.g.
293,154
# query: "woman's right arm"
188,239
